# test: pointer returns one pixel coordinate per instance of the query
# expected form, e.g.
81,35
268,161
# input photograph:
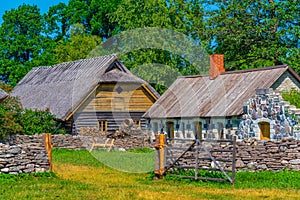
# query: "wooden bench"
106,145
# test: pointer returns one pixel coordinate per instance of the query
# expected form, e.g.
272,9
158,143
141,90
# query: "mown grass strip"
78,175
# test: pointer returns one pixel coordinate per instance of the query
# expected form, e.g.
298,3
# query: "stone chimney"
216,65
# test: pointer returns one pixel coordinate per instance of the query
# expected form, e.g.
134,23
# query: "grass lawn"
78,175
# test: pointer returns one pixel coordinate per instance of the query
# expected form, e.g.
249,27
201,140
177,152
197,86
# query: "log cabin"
218,105
98,92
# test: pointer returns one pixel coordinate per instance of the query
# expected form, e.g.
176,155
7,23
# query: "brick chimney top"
216,65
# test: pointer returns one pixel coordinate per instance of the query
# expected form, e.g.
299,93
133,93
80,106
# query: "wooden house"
3,95
99,92
246,103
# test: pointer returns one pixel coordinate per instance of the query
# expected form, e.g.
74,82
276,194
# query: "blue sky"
42,4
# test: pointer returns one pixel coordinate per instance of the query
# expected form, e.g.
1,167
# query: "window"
102,125
137,122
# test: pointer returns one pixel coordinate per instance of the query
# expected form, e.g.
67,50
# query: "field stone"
14,150
3,161
14,169
284,162
239,163
28,170
263,167
40,170
5,170
295,162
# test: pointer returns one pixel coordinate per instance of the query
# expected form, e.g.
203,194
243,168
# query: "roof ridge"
237,71
254,69
75,61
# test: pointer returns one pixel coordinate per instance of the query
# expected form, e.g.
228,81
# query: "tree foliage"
293,97
24,42
178,15
251,34
78,46
255,34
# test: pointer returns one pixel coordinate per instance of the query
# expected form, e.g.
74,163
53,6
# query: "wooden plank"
203,178
233,160
169,167
48,147
200,168
196,159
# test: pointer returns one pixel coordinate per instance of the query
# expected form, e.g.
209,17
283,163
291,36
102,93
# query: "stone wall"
132,142
252,155
268,155
71,142
23,154
269,107
85,142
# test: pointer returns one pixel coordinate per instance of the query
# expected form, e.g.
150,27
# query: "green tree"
181,16
78,46
253,34
93,15
25,43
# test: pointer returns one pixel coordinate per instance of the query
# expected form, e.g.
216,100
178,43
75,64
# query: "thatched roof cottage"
214,105
99,92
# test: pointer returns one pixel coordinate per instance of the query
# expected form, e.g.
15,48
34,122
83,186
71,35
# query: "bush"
38,122
10,111
15,120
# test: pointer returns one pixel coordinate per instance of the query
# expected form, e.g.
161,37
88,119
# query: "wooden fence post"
48,146
160,155
233,159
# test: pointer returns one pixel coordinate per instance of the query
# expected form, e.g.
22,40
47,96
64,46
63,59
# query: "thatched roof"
199,96
61,88
3,95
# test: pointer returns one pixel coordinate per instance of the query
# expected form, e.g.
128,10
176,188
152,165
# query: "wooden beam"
149,91
82,102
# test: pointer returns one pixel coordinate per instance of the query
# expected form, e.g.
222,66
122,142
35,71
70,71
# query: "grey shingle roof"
62,87
199,96
3,94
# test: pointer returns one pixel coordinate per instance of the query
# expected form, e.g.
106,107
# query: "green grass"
80,157
244,180
78,175
139,161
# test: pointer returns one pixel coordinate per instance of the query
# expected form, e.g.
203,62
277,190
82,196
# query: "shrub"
38,122
10,111
15,120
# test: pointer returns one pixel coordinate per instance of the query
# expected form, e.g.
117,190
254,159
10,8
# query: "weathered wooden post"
48,146
160,155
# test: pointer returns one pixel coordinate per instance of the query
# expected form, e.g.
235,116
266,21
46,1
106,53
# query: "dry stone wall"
132,142
71,142
268,155
251,155
23,154
84,142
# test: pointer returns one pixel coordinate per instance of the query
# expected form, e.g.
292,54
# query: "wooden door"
264,130
170,129
198,130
